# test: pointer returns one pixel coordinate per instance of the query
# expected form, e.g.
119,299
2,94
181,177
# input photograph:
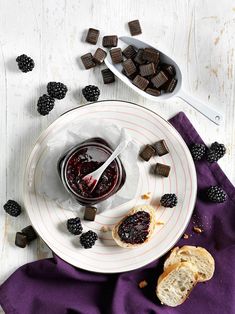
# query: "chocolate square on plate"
162,170
110,41
99,56
134,27
116,55
161,148
92,36
90,213
88,61
147,152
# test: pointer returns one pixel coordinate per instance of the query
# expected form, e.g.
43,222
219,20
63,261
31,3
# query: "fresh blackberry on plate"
215,152
88,239
74,225
45,104
169,200
216,194
12,208
57,90
25,63
198,151
91,93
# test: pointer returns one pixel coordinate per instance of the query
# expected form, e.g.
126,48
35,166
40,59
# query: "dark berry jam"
135,228
85,161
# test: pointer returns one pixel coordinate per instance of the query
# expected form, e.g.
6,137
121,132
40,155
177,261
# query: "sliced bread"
147,208
199,257
176,283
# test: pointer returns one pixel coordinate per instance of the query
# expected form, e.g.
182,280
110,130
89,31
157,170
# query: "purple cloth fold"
52,286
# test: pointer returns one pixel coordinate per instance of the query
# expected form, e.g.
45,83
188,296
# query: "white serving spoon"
92,178
206,110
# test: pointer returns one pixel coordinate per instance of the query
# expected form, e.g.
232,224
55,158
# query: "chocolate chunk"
170,85
129,67
116,55
147,152
110,41
162,170
30,233
88,61
169,69
139,57
147,69
151,55
134,27
140,82
92,36
153,91
90,213
131,77
108,76
129,52
159,79
21,240
161,148
99,56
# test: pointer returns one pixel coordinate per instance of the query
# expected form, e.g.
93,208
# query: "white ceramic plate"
145,127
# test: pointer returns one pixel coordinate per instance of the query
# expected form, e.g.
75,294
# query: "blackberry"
198,151
12,208
74,225
169,200
216,194
88,239
45,104
91,93
215,152
57,90
25,63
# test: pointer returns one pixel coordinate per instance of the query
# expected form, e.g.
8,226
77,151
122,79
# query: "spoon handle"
206,110
116,152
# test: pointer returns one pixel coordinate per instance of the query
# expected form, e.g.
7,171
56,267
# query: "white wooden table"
198,34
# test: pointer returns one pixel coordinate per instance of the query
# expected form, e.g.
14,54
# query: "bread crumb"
185,236
160,223
197,229
104,229
146,196
143,284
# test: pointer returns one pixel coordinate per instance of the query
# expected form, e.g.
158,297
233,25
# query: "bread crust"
192,250
168,271
147,208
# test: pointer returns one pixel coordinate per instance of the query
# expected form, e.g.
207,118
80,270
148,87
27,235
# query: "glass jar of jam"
84,159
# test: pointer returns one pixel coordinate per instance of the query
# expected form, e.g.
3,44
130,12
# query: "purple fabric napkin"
52,286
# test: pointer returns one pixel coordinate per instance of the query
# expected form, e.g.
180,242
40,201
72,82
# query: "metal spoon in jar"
206,110
92,178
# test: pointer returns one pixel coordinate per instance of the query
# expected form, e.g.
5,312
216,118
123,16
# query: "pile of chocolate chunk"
142,66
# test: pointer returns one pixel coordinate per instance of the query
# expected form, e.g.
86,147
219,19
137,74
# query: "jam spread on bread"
135,228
